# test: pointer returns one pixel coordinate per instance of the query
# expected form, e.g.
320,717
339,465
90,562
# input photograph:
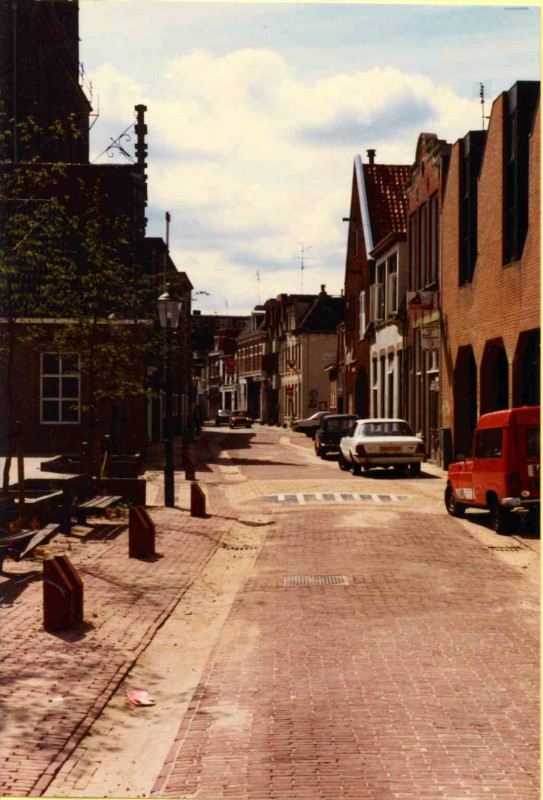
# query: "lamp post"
169,309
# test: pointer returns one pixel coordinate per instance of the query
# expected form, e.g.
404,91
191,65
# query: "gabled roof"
386,198
383,205
324,314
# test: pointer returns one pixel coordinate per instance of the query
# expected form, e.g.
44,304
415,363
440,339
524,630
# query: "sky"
256,112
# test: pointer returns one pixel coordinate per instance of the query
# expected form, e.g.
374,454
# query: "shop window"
60,389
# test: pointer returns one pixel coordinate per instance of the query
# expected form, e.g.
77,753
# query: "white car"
310,425
381,443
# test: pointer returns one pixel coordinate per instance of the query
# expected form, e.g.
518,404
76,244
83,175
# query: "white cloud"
252,169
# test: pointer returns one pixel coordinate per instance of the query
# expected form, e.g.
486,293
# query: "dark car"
223,417
332,428
240,419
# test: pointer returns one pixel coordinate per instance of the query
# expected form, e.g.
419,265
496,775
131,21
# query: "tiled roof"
387,204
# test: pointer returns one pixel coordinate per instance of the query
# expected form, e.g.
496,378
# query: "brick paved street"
415,676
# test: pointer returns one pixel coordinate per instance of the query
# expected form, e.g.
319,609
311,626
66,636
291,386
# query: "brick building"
249,364
45,164
491,267
425,189
308,342
377,210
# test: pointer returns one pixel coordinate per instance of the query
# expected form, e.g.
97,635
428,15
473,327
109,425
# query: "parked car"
309,425
240,419
332,428
503,473
223,417
381,443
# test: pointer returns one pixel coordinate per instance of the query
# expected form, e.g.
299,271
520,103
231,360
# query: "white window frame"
362,314
60,399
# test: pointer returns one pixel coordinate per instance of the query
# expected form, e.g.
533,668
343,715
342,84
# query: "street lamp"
169,309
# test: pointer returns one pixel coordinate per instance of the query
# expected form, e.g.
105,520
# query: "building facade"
425,189
491,268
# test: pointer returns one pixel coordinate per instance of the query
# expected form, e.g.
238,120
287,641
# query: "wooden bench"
95,506
22,543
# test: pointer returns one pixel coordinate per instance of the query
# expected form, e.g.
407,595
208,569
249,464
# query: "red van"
503,473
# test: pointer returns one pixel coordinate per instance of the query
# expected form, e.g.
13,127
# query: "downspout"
14,9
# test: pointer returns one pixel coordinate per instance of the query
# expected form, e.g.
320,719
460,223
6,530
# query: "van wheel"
503,520
343,464
454,508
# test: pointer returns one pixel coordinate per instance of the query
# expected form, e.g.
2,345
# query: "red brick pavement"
417,680
55,686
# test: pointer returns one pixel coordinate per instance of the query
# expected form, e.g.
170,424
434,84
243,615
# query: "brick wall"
501,301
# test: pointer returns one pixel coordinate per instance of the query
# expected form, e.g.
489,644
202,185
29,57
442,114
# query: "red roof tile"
387,203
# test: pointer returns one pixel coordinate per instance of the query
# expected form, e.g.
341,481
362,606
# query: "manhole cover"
315,580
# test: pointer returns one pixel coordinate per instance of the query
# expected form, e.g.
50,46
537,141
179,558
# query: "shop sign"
429,337
290,391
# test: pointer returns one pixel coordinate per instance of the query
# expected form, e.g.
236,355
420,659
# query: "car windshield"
338,424
386,428
318,415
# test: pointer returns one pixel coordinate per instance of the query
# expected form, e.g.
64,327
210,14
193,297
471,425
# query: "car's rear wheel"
414,470
343,463
503,520
454,508
357,468
401,468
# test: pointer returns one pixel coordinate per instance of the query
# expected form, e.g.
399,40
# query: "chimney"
323,288
371,156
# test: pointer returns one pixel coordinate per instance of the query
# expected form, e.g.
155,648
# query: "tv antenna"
258,281
302,259
482,96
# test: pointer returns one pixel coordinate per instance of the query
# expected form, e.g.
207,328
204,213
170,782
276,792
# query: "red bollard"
190,468
197,501
141,534
62,594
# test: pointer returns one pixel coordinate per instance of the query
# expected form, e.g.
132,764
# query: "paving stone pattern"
416,680
55,686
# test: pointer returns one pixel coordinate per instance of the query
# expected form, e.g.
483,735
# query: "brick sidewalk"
419,679
55,686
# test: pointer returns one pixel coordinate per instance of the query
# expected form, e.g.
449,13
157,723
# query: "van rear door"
528,436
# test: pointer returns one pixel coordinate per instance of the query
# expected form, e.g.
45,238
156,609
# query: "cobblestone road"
378,648
416,679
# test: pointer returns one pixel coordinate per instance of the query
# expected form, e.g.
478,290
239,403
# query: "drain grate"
502,547
315,580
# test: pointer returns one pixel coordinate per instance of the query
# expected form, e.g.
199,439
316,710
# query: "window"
532,443
422,276
362,314
375,387
434,239
392,285
488,444
521,106
472,147
60,388
382,387
398,428
390,386
412,254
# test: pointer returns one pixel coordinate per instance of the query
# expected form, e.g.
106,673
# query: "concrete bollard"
141,534
197,501
62,594
190,468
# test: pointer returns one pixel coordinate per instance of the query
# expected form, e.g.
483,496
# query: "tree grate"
315,580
